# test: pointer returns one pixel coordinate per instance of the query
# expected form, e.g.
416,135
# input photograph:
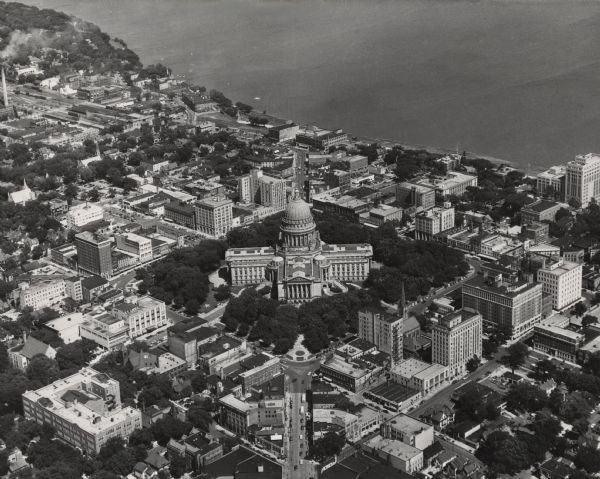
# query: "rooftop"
393,447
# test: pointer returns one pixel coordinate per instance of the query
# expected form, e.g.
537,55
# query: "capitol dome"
297,212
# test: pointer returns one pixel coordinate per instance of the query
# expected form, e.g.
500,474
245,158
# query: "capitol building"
301,266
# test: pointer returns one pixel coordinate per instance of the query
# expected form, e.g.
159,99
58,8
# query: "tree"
516,355
588,319
71,192
579,309
42,369
178,465
473,364
527,397
222,292
192,306
589,459
329,445
199,417
167,428
503,453
141,437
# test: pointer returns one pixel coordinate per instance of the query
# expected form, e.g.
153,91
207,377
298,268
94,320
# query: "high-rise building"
383,329
84,409
456,339
434,221
259,188
513,306
582,179
214,216
561,280
93,254
298,367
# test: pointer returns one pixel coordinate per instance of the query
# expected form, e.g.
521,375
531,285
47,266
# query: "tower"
298,367
4,91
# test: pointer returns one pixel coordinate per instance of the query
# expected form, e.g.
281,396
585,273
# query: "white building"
83,214
419,375
22,196
434,221
383,329
84,409
453,183
582,180
562,281
455,339
67,327
214,216
41,294
141,316
105,330
139,246
554,178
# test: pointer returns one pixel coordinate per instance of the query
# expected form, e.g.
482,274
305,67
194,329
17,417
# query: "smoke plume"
20,40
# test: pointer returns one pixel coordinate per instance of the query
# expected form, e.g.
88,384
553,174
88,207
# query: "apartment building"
214,216
256,187
84,409
383,329
562,281
582,179
455,339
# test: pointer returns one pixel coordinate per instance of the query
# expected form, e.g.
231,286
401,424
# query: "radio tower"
298,367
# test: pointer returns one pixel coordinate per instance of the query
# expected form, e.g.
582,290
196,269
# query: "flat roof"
394,448
408,425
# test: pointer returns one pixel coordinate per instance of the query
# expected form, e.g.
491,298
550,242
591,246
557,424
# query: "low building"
186,337
355,426
552,181
453,183
558,342
84,409
285,132
413,194
354,376
538,211
409,430
92,287
141,315
181,213
434,221
397,454
20,356
197,450
419,375
84,214
137,245
236,415
41,293
383,213
258,369
66,327
105,330
222,356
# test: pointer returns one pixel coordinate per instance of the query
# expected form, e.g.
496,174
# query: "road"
443,396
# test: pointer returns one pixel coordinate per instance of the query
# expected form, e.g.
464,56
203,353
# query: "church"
301,267
22,196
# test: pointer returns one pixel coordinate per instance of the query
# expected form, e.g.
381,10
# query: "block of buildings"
559,342
453,183
222,356
20,356
538,211
455,339
355,426
433,221
136,245
414,194
84,214
514,307
186,337
383,329
285,132
354,376
561,280
399,455
214,216
383,213
258,369
197,450
92,287
321,139
105,330
84,409
180,213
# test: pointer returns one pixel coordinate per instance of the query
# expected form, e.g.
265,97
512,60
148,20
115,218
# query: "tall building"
434,221
456,339
298,367
259,188
301,265
582,179
145,314
383,329
561,280
214,216
513,306
84,409
93,254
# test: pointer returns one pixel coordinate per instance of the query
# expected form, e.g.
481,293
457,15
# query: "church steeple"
25,187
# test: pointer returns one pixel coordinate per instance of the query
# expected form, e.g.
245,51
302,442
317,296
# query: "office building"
84,214
562,281
552,181
94,254
538,211
84,409
434,221
321,139
383,329
558,342
180,213
455,339
185,337
141,315
214,216
105,330
136,245
419,375
513,306
41,293
453,183
582,179
264,190
285,132
413,194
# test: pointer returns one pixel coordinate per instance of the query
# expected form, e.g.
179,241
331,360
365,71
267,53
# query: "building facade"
384,330
83,214
434,221
141,316
214,216
582,179
562,280
94,254
552,180
41,294
139,246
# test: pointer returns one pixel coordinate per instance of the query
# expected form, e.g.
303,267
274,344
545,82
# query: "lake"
517,80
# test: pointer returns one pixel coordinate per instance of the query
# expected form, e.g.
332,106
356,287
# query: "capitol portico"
301,265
